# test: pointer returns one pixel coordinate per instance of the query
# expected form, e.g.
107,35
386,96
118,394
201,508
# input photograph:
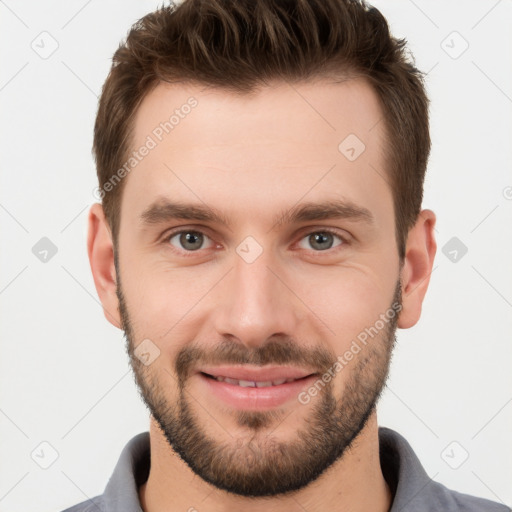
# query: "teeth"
247,383
252,383
265,384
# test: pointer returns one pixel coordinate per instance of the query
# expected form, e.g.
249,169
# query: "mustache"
278,352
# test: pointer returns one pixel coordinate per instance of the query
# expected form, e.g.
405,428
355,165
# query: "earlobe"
101,258
419,258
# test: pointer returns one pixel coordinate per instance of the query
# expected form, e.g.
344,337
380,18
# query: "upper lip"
256,374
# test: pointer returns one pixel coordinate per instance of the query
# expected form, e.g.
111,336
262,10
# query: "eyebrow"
164,210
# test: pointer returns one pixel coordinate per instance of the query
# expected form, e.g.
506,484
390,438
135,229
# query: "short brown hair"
240,44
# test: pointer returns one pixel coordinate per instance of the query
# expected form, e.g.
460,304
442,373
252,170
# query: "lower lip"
250,398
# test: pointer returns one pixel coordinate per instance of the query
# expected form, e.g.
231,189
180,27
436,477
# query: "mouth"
254,388
252,383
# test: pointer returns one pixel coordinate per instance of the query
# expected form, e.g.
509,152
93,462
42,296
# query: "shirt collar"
409,483
132,470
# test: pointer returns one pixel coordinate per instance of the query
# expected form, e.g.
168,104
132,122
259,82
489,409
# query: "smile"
250,383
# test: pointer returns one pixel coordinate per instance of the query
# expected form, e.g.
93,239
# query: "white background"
64,373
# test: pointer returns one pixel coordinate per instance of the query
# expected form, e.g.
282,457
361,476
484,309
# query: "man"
260,239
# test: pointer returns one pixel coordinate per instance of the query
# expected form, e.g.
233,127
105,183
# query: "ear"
101,258
419,258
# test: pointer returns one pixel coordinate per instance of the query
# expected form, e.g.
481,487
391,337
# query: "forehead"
350,106
274,146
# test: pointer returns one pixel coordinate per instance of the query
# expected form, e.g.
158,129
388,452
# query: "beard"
264,465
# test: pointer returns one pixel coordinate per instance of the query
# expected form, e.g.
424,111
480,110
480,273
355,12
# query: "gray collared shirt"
412,488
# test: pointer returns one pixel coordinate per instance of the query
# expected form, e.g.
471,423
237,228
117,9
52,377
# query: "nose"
255,302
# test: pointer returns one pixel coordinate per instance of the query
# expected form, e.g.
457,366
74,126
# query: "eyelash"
166,240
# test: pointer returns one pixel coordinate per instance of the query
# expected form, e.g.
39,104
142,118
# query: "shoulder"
130,472
91,505
414,490
447,499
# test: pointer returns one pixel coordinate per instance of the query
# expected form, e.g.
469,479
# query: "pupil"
321,238
189,239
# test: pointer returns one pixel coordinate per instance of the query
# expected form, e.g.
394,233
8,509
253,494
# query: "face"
257,246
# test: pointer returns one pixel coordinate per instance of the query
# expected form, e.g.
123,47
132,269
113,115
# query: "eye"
322,240
189,240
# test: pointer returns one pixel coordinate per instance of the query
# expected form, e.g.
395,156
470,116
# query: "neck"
354,482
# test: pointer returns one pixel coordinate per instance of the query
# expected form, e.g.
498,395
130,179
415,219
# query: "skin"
250,157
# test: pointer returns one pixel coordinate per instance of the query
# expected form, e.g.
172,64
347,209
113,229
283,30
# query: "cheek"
347,300
160,297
